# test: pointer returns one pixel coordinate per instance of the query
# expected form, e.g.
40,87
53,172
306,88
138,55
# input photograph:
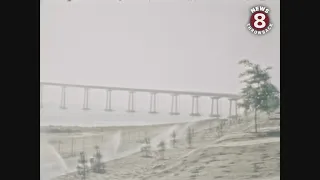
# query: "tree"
219,128
82,166
189,137
96,162
161,148
259,94
146,148
173,138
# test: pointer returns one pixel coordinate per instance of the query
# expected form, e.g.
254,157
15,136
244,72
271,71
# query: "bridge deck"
191,93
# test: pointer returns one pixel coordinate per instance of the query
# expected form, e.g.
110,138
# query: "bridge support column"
108,101
86,99
214,114
41,95
195,106
131,102
63,98
174,105
153,103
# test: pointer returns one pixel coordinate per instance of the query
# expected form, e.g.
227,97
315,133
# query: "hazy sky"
165,44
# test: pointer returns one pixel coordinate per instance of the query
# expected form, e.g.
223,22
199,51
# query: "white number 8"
261,20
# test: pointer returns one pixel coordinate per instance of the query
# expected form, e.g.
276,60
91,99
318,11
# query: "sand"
237,154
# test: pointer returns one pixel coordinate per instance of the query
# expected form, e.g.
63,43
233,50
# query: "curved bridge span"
153,92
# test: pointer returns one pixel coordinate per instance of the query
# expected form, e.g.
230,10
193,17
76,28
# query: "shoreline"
56,129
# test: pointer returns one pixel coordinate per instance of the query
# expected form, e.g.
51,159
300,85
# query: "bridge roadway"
157,91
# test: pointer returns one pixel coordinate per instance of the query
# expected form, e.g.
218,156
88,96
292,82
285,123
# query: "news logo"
259,22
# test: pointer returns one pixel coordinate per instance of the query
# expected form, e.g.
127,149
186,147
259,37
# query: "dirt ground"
236,154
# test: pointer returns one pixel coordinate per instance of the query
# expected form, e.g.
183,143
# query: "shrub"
173,138
146,148
189,137
82,166
96,162
161,149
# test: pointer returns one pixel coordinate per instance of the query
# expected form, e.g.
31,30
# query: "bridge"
153,92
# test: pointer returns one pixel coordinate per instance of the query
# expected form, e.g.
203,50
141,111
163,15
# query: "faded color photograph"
159,90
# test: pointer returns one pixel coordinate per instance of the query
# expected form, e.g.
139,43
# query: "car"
275,116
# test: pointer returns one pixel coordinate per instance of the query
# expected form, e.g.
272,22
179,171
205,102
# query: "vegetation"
189,137
82,166
173,138
96,162
57,129
259,94
146,148
219,128
161,149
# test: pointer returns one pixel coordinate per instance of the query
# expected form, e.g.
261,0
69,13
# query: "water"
110,148
116,141
164,136
51,163
76,117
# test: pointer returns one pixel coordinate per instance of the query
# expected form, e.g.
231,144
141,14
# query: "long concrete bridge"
153,92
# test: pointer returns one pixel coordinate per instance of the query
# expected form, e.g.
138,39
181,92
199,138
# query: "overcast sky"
165,44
